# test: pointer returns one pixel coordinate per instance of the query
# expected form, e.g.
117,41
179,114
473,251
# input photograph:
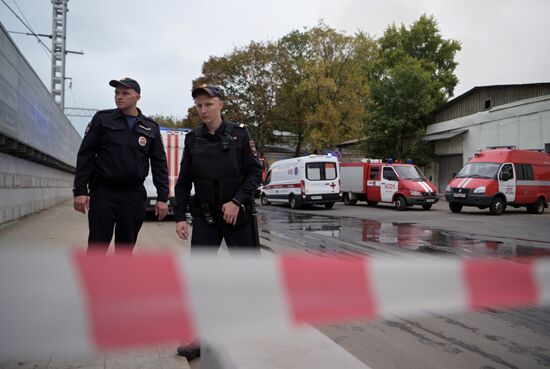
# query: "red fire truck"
373,181
499,177
174,142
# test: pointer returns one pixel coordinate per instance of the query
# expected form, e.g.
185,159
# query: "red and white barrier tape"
73,302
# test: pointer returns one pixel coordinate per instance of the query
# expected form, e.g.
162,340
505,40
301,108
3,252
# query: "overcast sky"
163,43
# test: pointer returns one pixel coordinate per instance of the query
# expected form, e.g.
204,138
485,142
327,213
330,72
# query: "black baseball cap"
210,90
126,82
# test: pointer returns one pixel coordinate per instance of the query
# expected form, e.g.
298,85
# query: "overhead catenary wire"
26,26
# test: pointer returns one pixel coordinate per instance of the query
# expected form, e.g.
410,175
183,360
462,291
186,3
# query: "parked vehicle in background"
264,175
306,180
174,142
373,181
500,177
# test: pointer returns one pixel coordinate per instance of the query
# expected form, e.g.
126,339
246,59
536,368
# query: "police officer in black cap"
220,159
112,164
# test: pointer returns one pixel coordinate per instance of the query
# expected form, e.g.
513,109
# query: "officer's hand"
230,212
182,229
81,203
161,209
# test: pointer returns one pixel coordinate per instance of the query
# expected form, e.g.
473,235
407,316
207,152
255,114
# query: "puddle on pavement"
401,235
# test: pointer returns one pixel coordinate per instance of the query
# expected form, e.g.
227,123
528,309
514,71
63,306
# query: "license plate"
316,197
463,195
430,200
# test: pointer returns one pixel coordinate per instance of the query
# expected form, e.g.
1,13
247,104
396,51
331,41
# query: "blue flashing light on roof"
390,161
409,161
175,129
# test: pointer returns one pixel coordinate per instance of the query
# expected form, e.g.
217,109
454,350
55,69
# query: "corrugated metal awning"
444,135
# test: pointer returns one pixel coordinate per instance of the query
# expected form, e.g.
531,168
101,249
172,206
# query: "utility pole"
59,30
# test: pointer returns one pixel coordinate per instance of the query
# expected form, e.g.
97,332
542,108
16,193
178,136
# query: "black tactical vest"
215,168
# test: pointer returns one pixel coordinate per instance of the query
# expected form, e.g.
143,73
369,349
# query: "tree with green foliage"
412,75
169,121
323,89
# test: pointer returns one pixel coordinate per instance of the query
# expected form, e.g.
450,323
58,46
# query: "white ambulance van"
307,180
174,142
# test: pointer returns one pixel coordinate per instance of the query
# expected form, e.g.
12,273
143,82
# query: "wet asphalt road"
488,339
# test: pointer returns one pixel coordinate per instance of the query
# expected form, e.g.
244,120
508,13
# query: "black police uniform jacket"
111,153
223,167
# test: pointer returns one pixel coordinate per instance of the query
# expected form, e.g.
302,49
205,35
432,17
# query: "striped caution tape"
74,302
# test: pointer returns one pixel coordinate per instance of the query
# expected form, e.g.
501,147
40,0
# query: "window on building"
487,104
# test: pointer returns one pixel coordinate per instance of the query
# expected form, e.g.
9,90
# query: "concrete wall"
28,113
27,187
32,122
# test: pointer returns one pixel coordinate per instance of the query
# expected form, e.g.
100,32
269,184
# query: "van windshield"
321,171
409,172
479,170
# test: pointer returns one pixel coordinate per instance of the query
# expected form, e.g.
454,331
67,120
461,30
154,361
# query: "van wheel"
498,206
264,200
372,203
329,205
347,200
455,208
400,203
537,207
427,206
293,202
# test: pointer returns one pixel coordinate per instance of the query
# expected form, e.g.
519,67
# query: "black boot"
190,352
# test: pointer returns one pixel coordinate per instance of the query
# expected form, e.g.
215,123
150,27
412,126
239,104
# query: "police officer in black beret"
112,164
220,159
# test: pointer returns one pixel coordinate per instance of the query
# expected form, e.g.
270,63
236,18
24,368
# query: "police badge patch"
142,141
253,147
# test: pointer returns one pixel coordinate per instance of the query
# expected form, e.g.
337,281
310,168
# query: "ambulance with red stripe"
373,181
307,180
500,177
174,142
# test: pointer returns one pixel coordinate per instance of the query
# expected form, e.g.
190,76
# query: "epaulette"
105,111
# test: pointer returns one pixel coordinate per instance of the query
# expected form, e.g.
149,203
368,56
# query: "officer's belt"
117,184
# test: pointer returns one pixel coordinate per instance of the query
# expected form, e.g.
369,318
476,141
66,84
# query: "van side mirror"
505,176
454,174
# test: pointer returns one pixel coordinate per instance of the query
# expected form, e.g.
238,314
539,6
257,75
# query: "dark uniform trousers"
207,237
110,205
